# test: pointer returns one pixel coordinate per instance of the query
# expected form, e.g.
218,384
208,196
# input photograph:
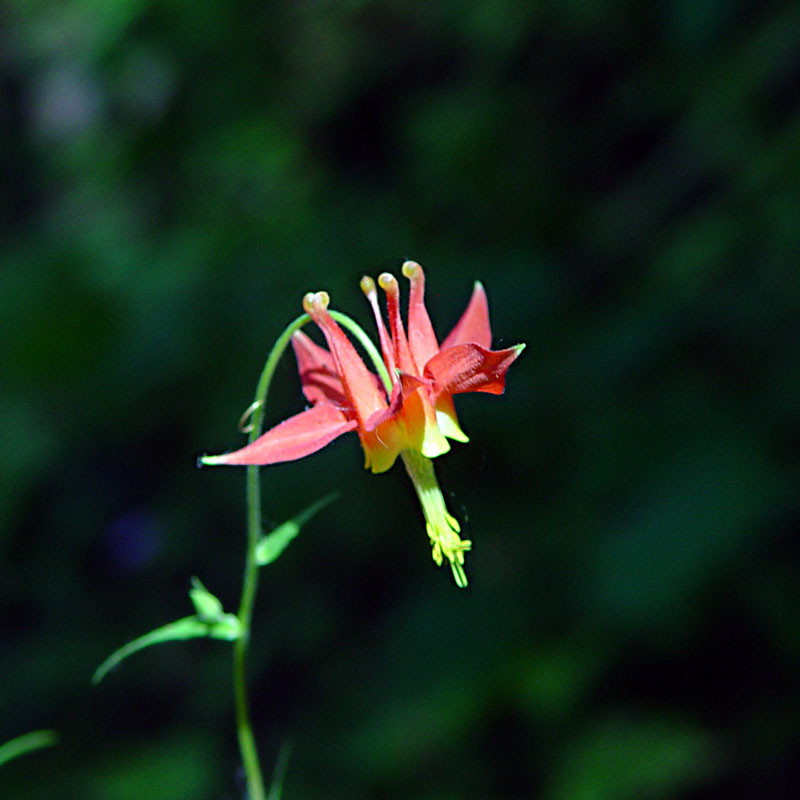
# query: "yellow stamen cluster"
442,527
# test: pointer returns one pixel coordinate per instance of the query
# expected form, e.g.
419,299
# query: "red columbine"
413,419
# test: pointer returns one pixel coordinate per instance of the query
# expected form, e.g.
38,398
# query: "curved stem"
247,745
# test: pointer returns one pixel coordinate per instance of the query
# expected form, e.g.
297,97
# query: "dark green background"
623,177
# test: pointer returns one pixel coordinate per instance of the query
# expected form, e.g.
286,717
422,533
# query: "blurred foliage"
622,177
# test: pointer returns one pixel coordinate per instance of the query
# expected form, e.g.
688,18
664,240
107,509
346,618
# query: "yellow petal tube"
443,529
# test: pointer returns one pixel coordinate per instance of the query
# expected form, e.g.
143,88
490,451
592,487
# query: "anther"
388,283
315,303
367,285
411,270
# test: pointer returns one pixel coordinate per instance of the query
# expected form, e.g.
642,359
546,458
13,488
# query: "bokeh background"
623,177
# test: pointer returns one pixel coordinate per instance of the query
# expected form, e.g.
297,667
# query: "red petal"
359,384
317,372
470,368
402,352
395,405
298,436
421,426
421,337
474,323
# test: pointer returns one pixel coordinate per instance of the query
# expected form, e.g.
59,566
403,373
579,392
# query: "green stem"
247,745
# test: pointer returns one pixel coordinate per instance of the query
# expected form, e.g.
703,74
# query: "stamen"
442,528
368,287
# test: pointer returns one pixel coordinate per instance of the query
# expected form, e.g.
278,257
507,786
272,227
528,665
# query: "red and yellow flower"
413,418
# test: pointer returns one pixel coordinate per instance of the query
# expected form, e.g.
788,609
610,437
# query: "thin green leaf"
275,542
209,622
26,743
180,630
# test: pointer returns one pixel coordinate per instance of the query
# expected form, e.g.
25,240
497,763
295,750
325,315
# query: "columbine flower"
414,420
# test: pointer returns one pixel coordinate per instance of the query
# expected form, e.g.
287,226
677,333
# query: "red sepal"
317,370
470,368
474,323
296,437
